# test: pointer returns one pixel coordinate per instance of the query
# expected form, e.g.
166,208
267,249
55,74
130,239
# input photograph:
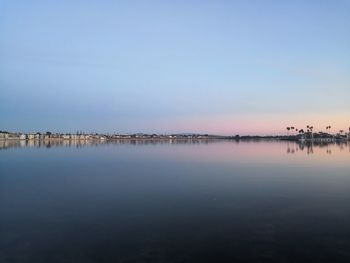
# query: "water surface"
169,201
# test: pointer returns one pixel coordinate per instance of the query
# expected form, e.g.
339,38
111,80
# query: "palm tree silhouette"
301,132
312,135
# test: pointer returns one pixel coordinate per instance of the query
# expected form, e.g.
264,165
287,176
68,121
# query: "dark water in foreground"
180,202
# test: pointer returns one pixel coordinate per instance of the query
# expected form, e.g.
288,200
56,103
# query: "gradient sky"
221,67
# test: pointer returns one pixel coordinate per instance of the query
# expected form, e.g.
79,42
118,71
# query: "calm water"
175,202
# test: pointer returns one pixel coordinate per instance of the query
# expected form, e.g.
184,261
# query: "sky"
218,67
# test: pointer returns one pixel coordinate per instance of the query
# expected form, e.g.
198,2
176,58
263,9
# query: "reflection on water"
309,147
291,147
4,144
174,201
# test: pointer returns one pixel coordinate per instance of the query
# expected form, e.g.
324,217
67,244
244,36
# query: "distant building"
55,136
4,135
22,137
13,136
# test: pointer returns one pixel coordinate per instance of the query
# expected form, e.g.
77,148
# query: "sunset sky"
220,67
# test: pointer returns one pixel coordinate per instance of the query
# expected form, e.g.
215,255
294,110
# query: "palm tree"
309,130
288,129
312,135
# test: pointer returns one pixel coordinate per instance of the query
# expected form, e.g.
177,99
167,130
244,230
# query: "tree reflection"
311,147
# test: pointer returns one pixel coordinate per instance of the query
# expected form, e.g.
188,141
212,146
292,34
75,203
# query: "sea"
174,201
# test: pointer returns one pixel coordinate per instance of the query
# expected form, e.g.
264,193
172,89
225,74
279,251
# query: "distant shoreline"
166,138
48,136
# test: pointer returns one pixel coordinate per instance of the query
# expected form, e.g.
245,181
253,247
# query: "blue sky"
174,66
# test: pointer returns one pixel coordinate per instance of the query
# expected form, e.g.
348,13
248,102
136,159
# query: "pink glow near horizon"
257,125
